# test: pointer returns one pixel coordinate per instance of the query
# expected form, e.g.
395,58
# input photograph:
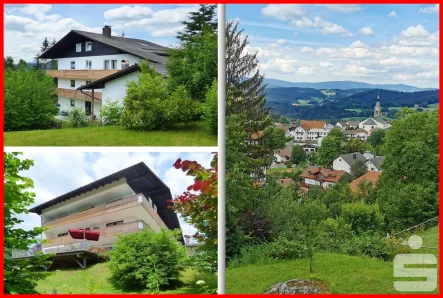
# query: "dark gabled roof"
349,158
155,53
377,161
369,122
141,179
99,84
380,120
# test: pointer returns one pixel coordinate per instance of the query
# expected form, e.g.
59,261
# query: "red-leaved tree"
198,204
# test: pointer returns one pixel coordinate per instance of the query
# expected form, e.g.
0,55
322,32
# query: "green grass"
354,110
342,273
193,134
76,280
278,170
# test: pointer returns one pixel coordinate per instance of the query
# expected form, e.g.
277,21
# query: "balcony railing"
74,246
130,227
113,206
75,94
89,75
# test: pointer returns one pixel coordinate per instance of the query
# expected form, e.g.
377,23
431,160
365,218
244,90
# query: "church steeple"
377,108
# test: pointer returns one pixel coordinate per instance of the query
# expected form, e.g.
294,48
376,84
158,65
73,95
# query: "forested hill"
343,85
308,103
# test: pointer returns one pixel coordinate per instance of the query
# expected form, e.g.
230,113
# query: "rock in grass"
299,286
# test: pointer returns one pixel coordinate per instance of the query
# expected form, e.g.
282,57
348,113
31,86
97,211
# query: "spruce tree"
203,19
9,63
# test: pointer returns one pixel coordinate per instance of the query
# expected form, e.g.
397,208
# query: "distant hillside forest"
309,103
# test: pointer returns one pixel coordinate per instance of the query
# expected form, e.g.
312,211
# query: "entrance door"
88,108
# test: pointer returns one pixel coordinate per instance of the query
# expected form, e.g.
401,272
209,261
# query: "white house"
345,161
349,124
320,177
94,67
282,155
356,134
373,123
127,201
375,163
309,130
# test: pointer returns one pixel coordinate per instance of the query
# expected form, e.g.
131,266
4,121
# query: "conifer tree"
203,19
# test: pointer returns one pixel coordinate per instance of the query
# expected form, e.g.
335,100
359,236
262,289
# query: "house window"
106,64
62,235
114,64
72,64
116,223
88,64
88,46
73,83
95,228
88,82
72,102
78,47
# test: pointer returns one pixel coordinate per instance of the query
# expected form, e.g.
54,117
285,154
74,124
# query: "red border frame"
218,2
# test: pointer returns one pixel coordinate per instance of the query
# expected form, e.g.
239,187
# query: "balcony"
110,207
75,94
107,236
88,75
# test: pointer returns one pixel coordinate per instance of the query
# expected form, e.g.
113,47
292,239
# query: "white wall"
341,165
66,84
371,166
116,89
65,104
97,61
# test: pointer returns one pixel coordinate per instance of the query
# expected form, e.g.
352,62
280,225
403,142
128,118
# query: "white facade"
370,126
341,165
96,62
116,89
67,103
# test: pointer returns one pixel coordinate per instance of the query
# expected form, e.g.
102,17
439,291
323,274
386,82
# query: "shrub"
362,217
111,112
205,261
77,118
149,104
210,107
147,260
367,244
29,100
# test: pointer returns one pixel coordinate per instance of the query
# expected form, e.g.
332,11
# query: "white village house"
345,161
309,130
94,68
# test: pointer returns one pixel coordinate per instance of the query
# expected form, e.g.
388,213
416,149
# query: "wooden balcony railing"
113,206
89,75
75,94
129,227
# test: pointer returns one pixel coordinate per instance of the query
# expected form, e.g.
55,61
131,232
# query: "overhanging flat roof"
141,179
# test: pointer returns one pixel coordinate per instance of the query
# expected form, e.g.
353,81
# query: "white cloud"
393,14
305,70
343,8
280,65
358,44
283,12
322,26
430,9
418,36
326,64
128,13
367,31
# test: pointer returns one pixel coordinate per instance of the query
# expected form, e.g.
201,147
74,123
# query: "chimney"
107,31
354,156
125,64
187,239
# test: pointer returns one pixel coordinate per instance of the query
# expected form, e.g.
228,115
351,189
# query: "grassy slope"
193,134
76,281
344,274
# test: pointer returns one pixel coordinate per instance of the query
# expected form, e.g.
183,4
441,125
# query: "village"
308,136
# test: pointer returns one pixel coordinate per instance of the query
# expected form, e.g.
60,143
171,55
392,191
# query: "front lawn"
77,281
192,134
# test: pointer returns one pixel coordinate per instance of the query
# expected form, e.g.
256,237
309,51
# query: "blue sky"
27,25
60,172
370,43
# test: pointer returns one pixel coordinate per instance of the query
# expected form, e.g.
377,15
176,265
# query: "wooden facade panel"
78,95
88,75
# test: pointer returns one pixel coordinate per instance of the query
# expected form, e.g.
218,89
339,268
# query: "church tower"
377,108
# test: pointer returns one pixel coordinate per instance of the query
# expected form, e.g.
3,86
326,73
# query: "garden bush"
29,100
362,217
111,112
367,244
147,260
150,105
77,118
210,107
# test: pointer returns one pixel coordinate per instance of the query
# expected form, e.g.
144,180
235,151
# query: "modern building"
93,67
127,201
